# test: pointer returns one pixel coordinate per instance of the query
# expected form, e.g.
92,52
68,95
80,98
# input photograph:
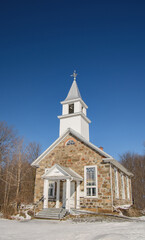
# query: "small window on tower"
71,108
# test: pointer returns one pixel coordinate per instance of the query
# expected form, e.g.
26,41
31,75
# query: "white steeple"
74,112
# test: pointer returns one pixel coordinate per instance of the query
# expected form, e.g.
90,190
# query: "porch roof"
58,172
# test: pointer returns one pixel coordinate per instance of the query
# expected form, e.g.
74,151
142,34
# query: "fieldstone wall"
120,201
104,200
76,157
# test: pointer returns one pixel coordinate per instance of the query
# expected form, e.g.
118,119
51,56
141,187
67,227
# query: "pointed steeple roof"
74,92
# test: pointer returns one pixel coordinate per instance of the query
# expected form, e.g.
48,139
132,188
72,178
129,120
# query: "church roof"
107,158
74,92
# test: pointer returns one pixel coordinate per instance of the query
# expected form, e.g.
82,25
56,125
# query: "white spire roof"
73,92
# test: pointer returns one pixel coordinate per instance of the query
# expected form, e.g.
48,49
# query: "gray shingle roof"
74,92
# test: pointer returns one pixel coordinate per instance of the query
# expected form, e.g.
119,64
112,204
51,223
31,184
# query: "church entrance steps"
51,213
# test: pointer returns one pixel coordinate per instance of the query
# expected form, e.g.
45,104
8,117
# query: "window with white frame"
90,177
127,184
51,187
116,183
51,190
122,184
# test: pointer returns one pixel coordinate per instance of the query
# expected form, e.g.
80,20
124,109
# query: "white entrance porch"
70,187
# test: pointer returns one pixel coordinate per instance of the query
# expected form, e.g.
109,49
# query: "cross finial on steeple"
74,75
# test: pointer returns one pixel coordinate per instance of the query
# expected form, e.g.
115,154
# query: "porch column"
68,194
57,194
45,204
78,195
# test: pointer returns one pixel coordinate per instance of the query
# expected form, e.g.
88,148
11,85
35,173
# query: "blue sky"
42,42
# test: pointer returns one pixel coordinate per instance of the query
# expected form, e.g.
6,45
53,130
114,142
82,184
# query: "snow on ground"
19,217
67,230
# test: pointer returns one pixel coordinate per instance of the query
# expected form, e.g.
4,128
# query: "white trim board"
107,158
66,133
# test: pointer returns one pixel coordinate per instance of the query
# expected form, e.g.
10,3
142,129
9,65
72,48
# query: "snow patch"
20,217
122,206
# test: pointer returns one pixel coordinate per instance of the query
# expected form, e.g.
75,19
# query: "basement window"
90,182
71,108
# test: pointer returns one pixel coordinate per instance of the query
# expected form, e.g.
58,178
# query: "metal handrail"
60,213
37,203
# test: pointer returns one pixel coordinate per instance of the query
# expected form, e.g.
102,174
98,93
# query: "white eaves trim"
75,134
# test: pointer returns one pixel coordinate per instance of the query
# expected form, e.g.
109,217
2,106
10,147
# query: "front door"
72,194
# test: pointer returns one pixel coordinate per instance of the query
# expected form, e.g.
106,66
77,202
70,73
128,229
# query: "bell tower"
74,112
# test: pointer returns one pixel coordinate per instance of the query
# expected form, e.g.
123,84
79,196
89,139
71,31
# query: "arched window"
70,142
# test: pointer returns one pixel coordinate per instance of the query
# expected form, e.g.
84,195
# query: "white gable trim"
66,133
65,174
52,168
107,159
49,149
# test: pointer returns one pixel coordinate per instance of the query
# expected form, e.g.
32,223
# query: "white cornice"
74,115
75,100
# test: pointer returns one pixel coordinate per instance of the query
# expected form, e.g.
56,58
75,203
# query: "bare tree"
136,164
17,177
8,140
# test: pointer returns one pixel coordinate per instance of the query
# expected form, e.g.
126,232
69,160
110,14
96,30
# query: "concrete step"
47,217
52,209
51,213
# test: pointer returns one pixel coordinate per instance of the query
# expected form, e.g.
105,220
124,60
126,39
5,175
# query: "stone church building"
73,173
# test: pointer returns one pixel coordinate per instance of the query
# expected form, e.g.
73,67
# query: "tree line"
135,163
17,177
